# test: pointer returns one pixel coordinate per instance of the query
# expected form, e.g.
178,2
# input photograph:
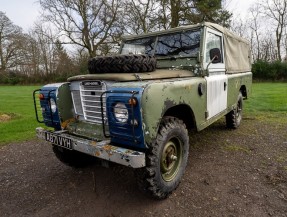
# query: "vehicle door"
216,78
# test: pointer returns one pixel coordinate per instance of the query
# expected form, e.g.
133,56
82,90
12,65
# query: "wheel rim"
239,111
171,159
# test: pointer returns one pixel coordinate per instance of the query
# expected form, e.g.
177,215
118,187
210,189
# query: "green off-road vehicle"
136,108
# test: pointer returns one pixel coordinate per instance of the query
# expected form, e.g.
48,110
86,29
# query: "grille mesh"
77,102
87,102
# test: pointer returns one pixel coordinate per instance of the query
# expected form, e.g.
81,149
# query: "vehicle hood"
157,74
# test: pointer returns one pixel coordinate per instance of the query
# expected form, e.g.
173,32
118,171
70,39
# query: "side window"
212,41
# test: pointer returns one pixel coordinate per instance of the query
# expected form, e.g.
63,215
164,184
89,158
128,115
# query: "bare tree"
32,55
255,28
140,16
173,13
45,38
85,23
240,27
10,35
276,10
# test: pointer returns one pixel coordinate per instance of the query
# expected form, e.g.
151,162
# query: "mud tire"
73,158
153,178
122,64
234,117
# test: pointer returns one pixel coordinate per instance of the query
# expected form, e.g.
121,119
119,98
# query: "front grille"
87,101
76,96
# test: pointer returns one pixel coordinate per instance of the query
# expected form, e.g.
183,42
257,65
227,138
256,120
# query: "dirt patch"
239,172
5,117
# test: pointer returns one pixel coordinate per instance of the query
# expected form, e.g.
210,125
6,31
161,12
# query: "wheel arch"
184,113
243,90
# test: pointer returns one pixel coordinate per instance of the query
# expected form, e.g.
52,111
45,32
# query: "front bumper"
102,149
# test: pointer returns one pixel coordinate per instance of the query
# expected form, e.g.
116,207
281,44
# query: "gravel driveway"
239,172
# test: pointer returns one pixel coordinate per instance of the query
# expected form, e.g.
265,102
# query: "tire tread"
135,63
146,177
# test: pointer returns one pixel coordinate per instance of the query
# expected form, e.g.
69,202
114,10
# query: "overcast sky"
25,12
22,13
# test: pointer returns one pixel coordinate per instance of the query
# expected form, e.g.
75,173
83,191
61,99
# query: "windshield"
139,46
176,44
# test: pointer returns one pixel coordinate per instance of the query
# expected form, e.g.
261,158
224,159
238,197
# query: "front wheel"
73,158
234,117
166,159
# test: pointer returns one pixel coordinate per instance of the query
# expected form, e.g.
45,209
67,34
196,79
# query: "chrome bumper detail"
102,149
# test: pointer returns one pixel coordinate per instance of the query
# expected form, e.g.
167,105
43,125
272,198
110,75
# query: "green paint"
64,102
84,129
157,74
160,96
235,83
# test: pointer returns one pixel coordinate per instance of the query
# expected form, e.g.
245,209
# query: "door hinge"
225,85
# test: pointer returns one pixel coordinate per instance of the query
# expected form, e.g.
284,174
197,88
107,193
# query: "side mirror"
215,55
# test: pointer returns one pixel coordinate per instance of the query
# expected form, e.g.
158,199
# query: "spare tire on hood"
122,64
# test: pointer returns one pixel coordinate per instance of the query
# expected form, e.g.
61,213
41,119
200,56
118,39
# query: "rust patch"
66,122
97,153
107,147
94,143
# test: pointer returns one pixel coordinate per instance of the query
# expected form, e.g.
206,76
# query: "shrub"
274,71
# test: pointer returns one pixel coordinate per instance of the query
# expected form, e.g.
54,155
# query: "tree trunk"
175,9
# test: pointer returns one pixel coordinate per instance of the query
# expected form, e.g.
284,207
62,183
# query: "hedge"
262,71
274,71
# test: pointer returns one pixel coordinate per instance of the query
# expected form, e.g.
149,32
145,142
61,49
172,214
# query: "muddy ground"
230,173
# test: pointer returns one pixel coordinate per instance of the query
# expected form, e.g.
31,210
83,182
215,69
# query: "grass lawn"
16,102
267,103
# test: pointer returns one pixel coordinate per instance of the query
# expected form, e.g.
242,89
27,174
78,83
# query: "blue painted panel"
50,119
125,133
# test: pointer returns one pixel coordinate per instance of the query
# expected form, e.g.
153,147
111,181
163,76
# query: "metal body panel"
162,95
50,119
236,83
85,129
64,102
216,94
126,133
157,74
103,150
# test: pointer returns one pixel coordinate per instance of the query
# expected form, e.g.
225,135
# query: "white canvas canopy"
237,50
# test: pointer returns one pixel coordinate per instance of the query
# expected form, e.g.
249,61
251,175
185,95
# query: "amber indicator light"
41,96
133,101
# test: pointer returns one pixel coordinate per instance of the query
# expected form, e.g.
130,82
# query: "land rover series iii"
136,108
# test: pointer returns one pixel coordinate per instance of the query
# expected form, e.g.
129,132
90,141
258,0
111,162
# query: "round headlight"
53,105
121,112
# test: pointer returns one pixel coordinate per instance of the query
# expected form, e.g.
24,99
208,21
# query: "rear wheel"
73,158
234,117
166,159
